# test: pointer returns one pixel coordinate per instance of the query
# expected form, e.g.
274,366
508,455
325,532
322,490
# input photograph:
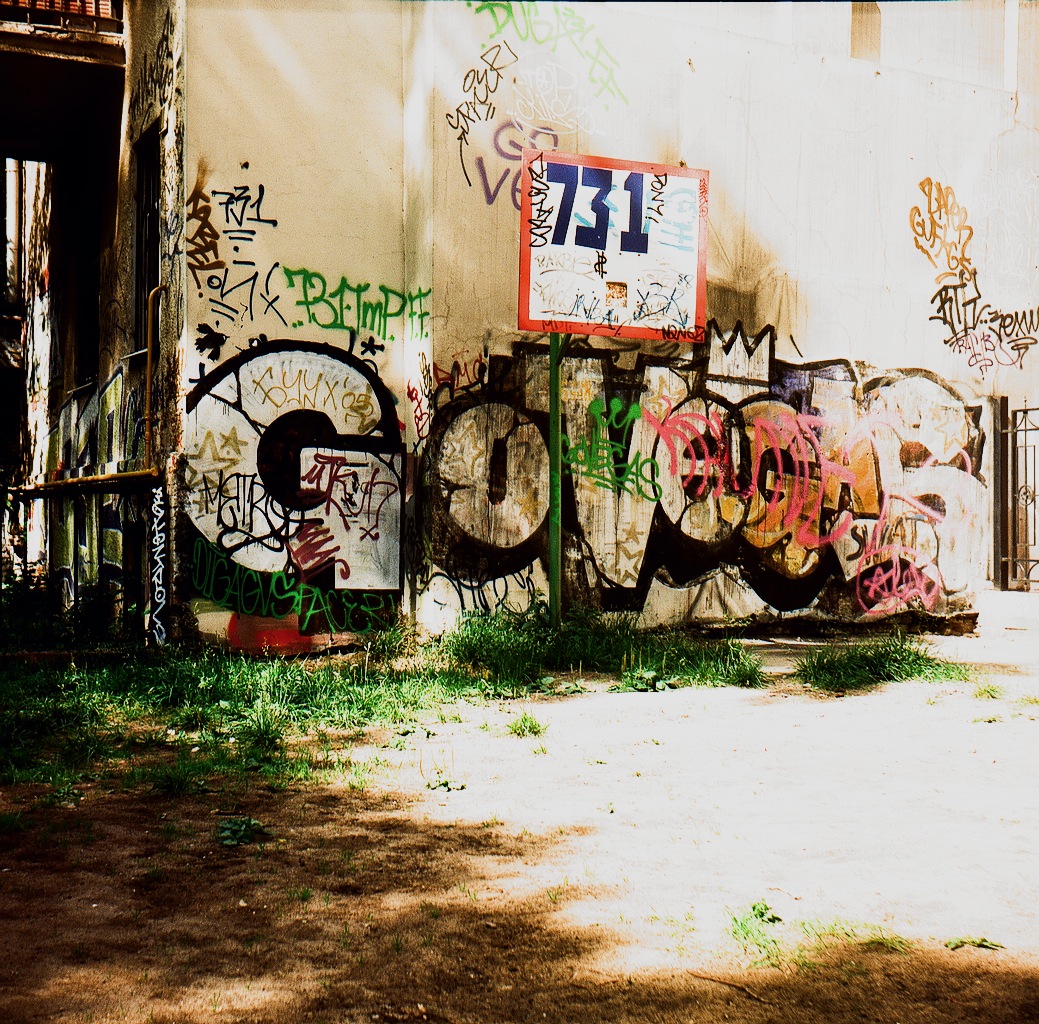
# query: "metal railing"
1023,495
84,15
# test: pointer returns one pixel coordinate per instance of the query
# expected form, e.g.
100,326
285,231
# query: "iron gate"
1020,568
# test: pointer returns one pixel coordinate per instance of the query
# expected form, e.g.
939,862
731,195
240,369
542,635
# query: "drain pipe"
153,320
152,472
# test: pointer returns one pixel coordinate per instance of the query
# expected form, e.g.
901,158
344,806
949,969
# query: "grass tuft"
988,691
519,649
890,658
755,932
525,724
978,942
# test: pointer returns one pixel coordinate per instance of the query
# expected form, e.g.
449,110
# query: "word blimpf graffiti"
293,469
359,307
822,490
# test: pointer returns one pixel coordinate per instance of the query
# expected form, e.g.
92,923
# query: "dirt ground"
460,873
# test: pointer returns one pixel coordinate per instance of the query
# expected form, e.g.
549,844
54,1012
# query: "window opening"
865,31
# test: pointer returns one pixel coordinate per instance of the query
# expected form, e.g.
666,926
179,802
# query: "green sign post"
608,247
555,484
558,344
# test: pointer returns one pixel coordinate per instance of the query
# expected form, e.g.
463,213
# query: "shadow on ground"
353,908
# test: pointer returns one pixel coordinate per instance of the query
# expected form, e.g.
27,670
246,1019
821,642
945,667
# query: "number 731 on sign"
612,247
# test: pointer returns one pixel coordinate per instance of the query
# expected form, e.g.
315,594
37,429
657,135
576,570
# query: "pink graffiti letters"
810,491
683,435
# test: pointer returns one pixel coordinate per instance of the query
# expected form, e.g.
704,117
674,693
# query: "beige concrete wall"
301,309
871,277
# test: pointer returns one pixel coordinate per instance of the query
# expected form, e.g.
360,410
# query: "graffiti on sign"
595,259
360,308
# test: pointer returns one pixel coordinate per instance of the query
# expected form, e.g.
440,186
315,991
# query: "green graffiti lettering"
315,287
346,308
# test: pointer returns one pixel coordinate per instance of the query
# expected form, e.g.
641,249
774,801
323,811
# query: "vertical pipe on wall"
153,320
1001,504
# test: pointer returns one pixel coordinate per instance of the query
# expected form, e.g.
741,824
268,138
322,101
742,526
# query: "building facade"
267,381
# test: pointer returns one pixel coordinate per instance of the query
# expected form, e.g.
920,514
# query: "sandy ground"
590,873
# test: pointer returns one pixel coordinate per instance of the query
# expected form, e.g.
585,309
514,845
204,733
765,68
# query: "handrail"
102,16
151,472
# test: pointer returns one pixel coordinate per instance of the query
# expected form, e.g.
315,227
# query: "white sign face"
612,247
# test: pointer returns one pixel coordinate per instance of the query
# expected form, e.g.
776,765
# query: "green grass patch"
861,666
176,720
525,724
988,691
11,822
520,649
755,932
761,932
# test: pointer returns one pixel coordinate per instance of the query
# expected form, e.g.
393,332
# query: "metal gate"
1020,499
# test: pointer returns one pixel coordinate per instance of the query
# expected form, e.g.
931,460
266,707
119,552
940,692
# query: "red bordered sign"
612,247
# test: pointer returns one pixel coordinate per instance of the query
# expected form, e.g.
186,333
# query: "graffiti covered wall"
824,488
829,450
293,474
365,427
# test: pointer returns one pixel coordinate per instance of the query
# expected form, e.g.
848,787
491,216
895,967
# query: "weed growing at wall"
520,648
885,659
181,719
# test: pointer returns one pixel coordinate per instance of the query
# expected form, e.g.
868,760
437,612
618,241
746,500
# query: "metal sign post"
607,247
557,347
